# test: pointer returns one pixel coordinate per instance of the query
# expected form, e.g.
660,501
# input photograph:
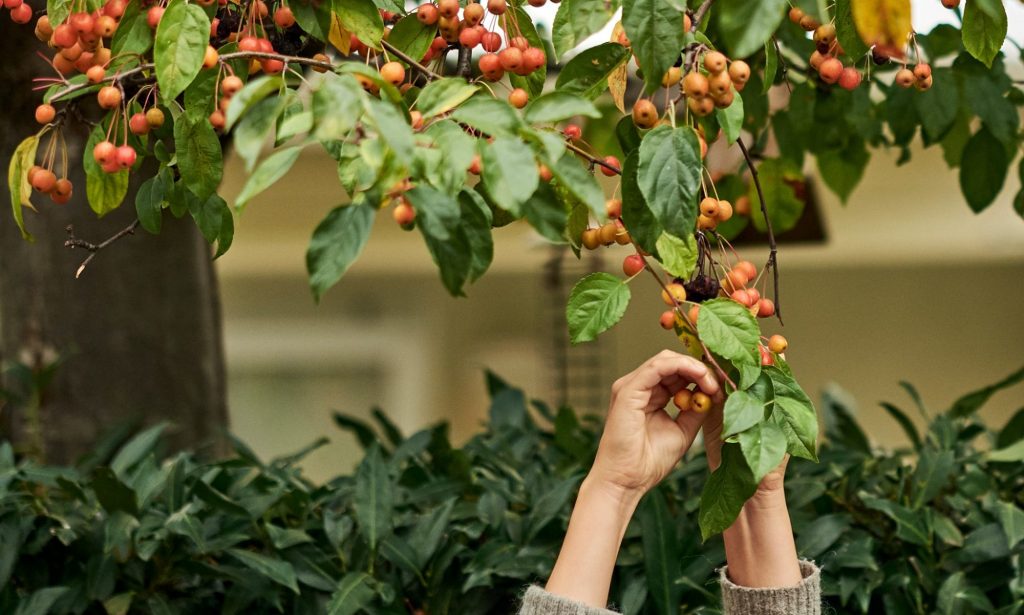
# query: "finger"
672,364
660,396
690,422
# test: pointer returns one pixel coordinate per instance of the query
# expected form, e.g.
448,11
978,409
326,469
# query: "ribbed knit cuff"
539,602
802,599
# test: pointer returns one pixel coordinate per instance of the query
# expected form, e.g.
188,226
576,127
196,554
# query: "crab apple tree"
459,118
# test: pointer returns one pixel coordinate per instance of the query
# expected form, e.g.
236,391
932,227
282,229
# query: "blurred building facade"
908,285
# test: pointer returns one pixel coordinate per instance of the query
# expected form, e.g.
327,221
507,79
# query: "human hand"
641,443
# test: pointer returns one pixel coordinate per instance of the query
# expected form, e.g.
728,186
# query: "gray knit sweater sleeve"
803,599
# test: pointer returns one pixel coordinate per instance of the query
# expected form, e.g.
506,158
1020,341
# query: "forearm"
759,546
583,571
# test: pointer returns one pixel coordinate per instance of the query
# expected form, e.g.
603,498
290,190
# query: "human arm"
640,445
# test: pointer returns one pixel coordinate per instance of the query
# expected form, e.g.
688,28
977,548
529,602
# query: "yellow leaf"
339,36
885,24
617,80
691,344
17,180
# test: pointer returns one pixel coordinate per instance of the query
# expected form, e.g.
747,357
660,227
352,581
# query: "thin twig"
401,55
773,262
74,242
698,15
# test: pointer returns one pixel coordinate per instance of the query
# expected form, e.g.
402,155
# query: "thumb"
690,422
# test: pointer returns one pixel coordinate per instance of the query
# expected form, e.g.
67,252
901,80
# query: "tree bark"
139,331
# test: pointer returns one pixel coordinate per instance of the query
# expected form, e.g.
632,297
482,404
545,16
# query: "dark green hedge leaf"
374,498
355,591
277,570
662,554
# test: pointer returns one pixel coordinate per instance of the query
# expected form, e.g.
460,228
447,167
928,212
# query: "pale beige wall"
910,285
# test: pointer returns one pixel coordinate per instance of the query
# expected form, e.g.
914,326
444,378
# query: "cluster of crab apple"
827,61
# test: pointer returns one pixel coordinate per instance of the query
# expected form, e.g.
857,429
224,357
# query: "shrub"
423,526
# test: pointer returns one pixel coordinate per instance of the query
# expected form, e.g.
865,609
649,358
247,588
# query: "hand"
641,442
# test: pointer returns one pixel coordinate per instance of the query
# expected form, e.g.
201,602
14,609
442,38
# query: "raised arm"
640,445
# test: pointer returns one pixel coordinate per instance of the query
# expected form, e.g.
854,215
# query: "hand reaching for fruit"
641,442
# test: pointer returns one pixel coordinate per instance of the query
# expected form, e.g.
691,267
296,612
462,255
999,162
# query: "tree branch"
74,242
698,15
773,262
401,55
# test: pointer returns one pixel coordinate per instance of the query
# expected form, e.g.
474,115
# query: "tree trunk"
139,331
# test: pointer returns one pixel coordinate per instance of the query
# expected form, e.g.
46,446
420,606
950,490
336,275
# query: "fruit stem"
401,55
773,262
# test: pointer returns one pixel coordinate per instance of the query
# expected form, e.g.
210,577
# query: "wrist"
611,493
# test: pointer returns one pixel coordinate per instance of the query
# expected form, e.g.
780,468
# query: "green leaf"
842,169
934,469
200,159
1011,518
355,591
273,168
745,408
821,533
938,105
476,226
106,191
957,597
910,526
731,118
677,256
725,492
112,493
149,200
550,503
905,423
643,227
730,331
259,88
1010,454
662,553
41,601
969,403
669,177
771,66
179,47
983,170
443,95
578,19
17,180
655,30
277,570
251,133
784,209
557,106
362,18
587,73
764,447
794,413
984,29
987,542
509,173
456,150
133,34
429,531
412,36
438,217
142,445
846,30
596,303
746,26
547,214
374,497
579,182
337,242
393,127
489,115
58,11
